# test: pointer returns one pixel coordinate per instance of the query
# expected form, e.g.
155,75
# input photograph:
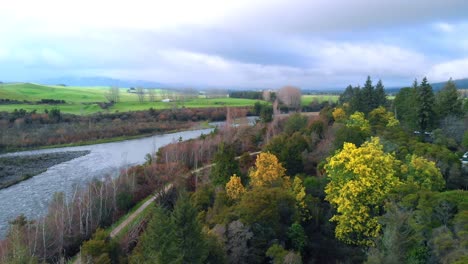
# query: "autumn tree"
300,195
290,96
268,172
423,173
339,114
234,188
360,178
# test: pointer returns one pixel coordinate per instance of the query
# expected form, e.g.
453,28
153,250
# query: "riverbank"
14,169
195,126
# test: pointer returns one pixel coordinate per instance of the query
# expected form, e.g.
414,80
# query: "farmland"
87,100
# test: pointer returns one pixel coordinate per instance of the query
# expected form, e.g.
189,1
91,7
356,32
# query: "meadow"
87,100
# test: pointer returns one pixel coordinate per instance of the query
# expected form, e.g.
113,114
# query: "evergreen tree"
367,95
188,232
425,105
347,95
225,165
447,101
380,97
173,237
357,100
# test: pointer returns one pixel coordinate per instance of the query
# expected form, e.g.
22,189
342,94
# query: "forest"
368,180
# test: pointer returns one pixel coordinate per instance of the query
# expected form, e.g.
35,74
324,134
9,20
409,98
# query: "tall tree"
360,178
225,165
268,172
448,102
188,232
367,93
357,102
380,97
347,95
405,107
425,106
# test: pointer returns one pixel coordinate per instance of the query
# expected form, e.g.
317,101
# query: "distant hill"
460,83
100,81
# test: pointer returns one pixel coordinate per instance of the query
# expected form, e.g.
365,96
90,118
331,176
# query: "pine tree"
225,165
347,95
425,105
188,232
380,98
367,94
357,101
447,101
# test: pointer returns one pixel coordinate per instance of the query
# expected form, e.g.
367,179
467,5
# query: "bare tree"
141,94
151,95
290,96
113,94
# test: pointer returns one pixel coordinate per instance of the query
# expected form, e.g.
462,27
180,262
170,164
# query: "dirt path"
142,207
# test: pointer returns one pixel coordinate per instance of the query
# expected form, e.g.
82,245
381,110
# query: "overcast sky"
264,44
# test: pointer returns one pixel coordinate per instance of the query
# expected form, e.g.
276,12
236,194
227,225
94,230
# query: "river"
31,197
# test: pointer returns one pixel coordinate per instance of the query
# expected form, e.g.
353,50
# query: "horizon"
242,44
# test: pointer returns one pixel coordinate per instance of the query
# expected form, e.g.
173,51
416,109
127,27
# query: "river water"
31,197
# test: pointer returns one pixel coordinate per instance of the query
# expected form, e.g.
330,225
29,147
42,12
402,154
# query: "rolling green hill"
85,100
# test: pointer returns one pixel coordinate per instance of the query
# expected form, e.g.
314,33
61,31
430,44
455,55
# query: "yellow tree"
234,188
268,172
339,114
300,195
360,178
423,173
359,121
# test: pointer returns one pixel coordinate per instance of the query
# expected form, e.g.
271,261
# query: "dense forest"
372,180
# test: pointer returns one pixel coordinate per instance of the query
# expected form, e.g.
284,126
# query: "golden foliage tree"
423,173
359,121
339,114
360,178
234,188
300,195
268,172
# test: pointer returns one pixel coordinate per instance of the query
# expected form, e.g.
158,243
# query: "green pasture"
84,100
307,99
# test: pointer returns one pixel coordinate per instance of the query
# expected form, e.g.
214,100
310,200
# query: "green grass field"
307,99
84,100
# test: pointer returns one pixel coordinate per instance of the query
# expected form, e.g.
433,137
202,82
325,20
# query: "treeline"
22,129
42,101
246,95
419,108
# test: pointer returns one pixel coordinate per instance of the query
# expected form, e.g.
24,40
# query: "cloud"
370,59
455,69
320,43
444,27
